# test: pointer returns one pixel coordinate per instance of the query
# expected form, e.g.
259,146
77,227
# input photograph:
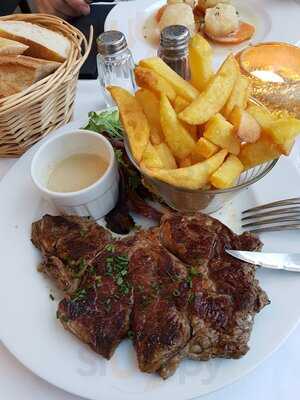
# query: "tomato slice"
245,32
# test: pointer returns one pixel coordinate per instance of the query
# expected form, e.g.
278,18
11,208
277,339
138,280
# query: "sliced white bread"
11,47
43,43
19,72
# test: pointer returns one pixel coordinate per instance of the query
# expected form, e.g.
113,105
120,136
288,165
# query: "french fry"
246,127
193,177
182,88
227,174
176,136
200,56
148,79
261,115
214,97
155,137
186,162
204,149
221,133
151,158
283,133
180,104
166,156
260,152
150,105
239,95
133,120
192,130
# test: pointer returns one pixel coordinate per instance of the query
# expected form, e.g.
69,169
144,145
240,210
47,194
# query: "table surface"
276,379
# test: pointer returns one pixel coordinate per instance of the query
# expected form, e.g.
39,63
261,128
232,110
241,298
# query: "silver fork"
280,215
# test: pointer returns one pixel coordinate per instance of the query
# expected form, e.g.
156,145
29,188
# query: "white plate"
275,20
31,332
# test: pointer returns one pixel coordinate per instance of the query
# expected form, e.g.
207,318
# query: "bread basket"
28,116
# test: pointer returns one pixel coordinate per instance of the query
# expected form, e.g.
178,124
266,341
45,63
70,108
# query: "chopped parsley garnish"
83,232
117,267
192,273
81,264
78,267
191,298
155,286
98,280
110,247
80,294
130,335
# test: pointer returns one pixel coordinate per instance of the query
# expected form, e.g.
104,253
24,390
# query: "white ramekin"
94,201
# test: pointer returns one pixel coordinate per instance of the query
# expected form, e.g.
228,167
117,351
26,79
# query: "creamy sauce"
76,172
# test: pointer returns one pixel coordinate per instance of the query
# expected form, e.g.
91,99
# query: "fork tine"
271,221
290,227
289,211
287,202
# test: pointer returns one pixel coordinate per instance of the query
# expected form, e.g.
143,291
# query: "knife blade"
284,261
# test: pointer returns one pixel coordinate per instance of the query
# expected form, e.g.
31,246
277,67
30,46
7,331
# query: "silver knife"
284,261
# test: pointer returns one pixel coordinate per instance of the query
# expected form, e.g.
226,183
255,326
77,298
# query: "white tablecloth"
276,379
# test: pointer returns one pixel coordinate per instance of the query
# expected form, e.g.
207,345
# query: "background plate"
274,21
31,332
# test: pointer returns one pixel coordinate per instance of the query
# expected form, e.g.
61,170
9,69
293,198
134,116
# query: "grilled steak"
175,287
98,312
68,244
225,295
159,321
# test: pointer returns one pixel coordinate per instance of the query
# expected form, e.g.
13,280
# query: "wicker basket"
28,116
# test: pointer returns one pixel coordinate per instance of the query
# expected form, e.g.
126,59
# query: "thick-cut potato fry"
151,158
214,97
204,149
166,156
193,177
201,56
226,175
221,132
186,162
150,105
192,130
283,132
239,95
246,127
261,115
133,120
176,136
155,137
181,87
148,79
180,104
253,154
